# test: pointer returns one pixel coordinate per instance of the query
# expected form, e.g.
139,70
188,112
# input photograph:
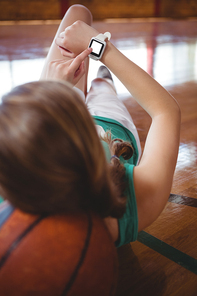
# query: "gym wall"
101,9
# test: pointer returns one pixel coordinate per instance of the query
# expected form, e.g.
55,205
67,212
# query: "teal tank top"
128,224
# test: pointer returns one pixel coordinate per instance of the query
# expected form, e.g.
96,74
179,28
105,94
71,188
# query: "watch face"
97,47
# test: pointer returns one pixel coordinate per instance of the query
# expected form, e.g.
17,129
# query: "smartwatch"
98,45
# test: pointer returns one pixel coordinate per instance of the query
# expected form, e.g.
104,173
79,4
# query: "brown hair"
51,158
118,147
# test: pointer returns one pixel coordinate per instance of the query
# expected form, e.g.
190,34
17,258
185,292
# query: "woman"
66,167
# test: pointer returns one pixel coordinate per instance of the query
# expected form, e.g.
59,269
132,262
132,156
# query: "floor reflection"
16,72
187,156
168,59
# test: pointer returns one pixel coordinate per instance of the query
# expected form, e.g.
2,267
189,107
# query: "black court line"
168,251
183,200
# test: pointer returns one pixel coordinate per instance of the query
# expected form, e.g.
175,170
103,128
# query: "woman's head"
51,159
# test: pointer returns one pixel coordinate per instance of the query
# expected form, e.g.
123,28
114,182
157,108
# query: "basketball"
56,255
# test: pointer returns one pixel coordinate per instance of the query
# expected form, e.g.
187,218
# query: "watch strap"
103,37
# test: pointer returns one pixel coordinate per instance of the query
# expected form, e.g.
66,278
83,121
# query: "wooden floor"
163,261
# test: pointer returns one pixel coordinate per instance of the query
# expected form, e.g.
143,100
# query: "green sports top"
128,224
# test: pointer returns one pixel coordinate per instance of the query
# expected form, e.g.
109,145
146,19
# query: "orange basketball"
57,255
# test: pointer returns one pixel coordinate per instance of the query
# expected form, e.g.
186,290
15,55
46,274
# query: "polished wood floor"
163,261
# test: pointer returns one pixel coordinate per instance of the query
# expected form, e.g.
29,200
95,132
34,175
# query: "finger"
61,61
62,34
79,73
64,51
80,58
80,69
60,42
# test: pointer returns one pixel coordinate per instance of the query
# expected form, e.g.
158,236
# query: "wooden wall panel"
118,9
29,9
178,8
101,9
140,8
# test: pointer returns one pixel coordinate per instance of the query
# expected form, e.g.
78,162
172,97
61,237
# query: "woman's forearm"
147,92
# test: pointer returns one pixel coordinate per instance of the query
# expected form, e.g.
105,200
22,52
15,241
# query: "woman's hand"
75,39
68,70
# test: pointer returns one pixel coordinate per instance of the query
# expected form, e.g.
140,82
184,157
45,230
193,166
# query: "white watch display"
98,45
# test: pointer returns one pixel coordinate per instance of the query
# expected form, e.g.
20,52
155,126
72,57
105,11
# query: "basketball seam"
15,244
81,260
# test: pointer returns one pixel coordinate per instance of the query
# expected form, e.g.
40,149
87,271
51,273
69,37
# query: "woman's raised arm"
154,174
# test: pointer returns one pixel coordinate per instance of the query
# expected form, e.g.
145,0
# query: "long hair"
51,158
118,147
